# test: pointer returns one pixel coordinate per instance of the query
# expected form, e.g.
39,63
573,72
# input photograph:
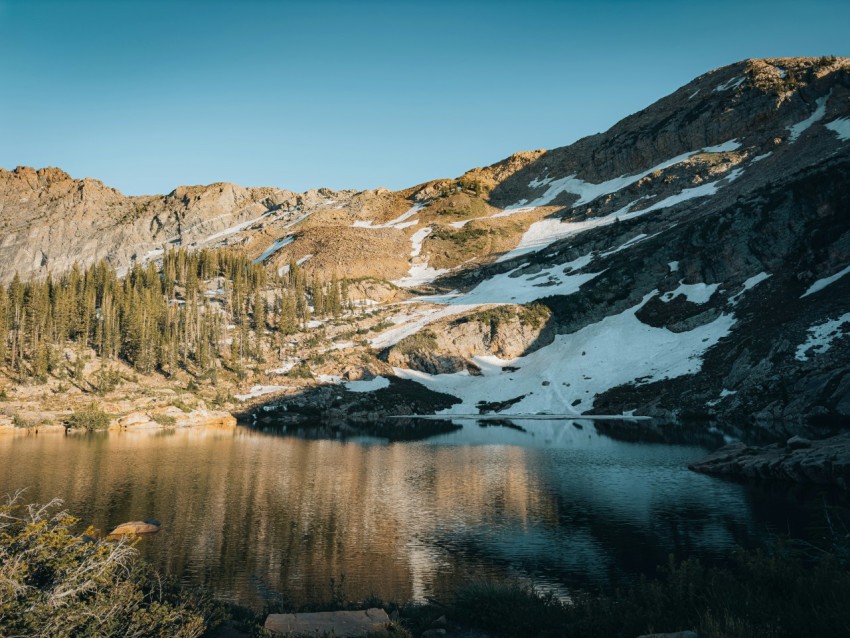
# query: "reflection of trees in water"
260,517
392,430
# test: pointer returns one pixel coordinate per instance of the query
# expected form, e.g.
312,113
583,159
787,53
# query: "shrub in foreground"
56,583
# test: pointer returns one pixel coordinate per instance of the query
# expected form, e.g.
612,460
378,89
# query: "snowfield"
729,85
565,376
547,231
588,191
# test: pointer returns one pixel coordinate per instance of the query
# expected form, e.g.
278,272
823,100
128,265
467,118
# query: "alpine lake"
299,515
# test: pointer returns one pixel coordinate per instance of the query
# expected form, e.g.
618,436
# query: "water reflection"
257,516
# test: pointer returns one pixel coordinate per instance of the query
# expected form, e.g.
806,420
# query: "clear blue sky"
147,95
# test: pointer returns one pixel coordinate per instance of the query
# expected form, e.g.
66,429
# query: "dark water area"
264,517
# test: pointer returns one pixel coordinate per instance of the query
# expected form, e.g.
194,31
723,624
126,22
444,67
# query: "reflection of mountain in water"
397,430
257,517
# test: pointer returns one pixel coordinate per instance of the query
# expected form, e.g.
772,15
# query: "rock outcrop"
822,462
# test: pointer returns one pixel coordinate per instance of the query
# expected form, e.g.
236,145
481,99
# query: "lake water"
263,517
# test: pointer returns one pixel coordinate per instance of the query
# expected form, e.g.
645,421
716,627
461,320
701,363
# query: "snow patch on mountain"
513,287
799,128
411,323
234,229
260,390
841,127
587,191
698,293
546,232
276,246
733,83
820,284
566,376
749,284
820,336
420,272
398,222
370,385
516,287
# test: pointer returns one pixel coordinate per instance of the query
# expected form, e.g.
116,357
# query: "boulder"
341,624
136,421
135,528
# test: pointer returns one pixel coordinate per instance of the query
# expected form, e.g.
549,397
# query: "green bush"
461,236
89,418
55,583
182,405
424,340
301,371
108,379
165,419
20,422
534,315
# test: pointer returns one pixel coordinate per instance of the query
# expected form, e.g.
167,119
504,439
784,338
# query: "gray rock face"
344,624
777,221
50,220
824,462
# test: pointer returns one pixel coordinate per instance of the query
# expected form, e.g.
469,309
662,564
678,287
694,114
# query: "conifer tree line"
199,311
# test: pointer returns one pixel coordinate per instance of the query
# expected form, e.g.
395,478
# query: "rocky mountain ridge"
689,261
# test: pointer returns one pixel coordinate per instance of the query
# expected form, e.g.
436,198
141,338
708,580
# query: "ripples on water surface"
260,517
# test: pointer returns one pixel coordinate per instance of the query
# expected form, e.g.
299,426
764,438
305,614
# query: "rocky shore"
822,462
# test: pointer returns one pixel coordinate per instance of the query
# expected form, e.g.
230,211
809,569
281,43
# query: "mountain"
690,261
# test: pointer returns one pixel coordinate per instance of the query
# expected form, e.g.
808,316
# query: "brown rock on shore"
135,528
